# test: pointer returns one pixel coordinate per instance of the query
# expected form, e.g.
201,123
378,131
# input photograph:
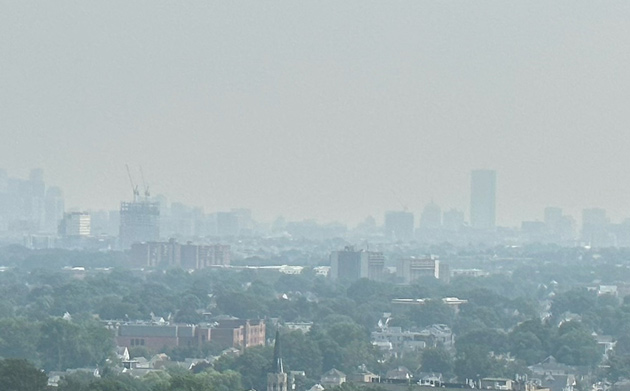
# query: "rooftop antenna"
134,187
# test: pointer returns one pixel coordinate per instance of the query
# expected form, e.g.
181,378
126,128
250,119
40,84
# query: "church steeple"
277,355
277,379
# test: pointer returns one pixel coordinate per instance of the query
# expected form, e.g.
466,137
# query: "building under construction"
139,222
140,219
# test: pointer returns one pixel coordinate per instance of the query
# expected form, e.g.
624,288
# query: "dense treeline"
525,312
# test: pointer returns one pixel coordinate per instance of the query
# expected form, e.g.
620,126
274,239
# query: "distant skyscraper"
431,217
560,226
75,224
139,222
595,227
453,220
35,204
399,225
227,223
54,209
553,217
483,199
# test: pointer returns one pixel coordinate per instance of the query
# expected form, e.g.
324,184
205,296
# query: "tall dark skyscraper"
483,186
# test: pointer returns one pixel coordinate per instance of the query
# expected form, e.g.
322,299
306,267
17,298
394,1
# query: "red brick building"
157,337
240,333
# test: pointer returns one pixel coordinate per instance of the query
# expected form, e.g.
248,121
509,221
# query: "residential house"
332,378
430,379
364,376
492,383
551,374
399,375
122,353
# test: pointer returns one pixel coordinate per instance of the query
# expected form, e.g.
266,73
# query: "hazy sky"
332,110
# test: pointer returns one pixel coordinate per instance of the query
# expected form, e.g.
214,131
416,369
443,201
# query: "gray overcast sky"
321,109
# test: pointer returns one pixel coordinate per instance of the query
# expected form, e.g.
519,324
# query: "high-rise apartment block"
483,199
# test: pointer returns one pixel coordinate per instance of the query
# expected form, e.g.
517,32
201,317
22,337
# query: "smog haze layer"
329,110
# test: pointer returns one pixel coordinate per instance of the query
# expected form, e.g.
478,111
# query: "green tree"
302,353
253,365
491,340
18,338
437,360
473,362
59,344
21,375
577,347
527,346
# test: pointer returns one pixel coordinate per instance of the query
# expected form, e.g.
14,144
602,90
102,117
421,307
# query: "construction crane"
144,184
134,187
404,206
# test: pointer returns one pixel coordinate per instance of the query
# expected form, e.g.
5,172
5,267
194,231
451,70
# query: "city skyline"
230,105
438,215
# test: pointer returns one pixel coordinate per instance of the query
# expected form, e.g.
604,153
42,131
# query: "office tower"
399,225
227,224
453,220
139,222
35,204
55,208
483,199
277,379
595,227
561,227
75,224
245,221
553,217
431,217
348,264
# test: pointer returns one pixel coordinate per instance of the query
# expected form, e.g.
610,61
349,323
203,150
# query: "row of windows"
137,342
